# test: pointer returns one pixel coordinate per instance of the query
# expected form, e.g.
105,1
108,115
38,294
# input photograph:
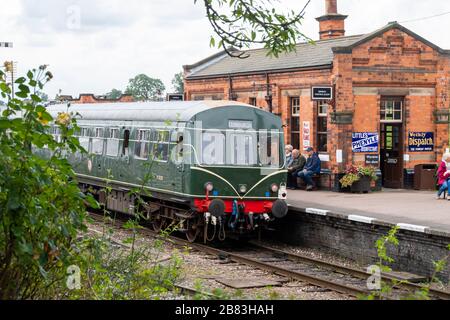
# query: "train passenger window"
56,133
112,144
141,144
84,138
126,142
97,141
161,145
213,148
241,149
269,148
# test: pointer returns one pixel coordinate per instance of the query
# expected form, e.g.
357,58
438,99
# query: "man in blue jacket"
311,168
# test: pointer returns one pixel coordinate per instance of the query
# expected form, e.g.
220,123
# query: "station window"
391,110
252,101
295,122
112,144
97,141
161,143
322,132
141,144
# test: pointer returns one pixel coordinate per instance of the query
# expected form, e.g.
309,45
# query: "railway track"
338,278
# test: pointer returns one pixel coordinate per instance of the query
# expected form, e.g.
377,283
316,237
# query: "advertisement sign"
421,141
372,160
306,134
322,93
365,142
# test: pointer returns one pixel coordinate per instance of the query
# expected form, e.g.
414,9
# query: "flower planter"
362,185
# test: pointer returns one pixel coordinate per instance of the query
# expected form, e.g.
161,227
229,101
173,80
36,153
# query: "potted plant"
358,178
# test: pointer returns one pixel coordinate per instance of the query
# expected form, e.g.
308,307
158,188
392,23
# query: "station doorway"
392,143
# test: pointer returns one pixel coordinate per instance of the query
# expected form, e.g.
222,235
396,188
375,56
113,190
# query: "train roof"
181,111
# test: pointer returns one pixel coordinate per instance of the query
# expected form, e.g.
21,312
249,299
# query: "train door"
176,161
112,149
123,164
160,144
97,150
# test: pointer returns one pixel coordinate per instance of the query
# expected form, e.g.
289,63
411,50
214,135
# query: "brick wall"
392,64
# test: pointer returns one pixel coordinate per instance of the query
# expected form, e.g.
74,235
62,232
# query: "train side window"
161,146
84,138
126,142
97,141
141,144
112,144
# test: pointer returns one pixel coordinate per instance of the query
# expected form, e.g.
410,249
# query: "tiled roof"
306,55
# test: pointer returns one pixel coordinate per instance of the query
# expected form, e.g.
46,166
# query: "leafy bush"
41,207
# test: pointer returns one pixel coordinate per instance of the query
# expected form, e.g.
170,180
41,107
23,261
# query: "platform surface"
418,208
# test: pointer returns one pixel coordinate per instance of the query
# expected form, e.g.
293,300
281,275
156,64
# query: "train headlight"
274,187
242,188
209,186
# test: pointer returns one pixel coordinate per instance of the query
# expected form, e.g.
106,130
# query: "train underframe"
208,219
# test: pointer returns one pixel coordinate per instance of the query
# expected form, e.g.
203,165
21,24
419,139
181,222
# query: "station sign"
365,142
175,97
421,141
322,93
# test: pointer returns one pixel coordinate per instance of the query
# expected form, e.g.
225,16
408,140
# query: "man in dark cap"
311,168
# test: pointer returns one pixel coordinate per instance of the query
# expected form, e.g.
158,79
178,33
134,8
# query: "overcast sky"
93,46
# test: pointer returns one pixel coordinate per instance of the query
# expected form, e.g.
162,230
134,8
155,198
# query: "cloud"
50,16
118,39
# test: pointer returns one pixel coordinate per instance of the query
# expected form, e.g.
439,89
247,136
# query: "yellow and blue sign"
421,141
365,142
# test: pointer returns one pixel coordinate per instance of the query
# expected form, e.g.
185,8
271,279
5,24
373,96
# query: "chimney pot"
331,6
332,24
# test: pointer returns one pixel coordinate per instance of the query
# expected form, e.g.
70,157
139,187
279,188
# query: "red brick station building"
379,99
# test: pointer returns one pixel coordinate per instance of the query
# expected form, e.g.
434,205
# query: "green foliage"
114,94
41,207
145,88
178,83
383,258
354,174
241,23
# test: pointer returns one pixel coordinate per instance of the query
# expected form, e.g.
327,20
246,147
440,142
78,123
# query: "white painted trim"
319,212
412,227
362,219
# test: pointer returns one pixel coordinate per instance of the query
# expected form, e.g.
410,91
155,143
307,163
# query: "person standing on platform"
312,167
444,176
297,164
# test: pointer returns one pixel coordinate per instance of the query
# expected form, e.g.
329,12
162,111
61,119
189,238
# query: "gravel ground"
200,271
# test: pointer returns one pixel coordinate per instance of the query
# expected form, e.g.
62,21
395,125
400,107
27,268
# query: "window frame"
96,137
320,117
297,117
383,109
154,141
110,138
142,142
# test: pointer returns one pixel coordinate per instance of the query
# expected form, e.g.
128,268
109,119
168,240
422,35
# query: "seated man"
297,164
311,168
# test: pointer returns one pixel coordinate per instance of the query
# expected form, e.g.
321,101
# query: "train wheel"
192,232
158,224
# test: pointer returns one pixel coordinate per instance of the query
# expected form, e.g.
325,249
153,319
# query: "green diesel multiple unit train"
213,167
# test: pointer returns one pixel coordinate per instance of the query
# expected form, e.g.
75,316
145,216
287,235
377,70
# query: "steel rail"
360,273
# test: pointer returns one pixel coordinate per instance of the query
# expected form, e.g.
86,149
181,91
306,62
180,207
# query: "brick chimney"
332,24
